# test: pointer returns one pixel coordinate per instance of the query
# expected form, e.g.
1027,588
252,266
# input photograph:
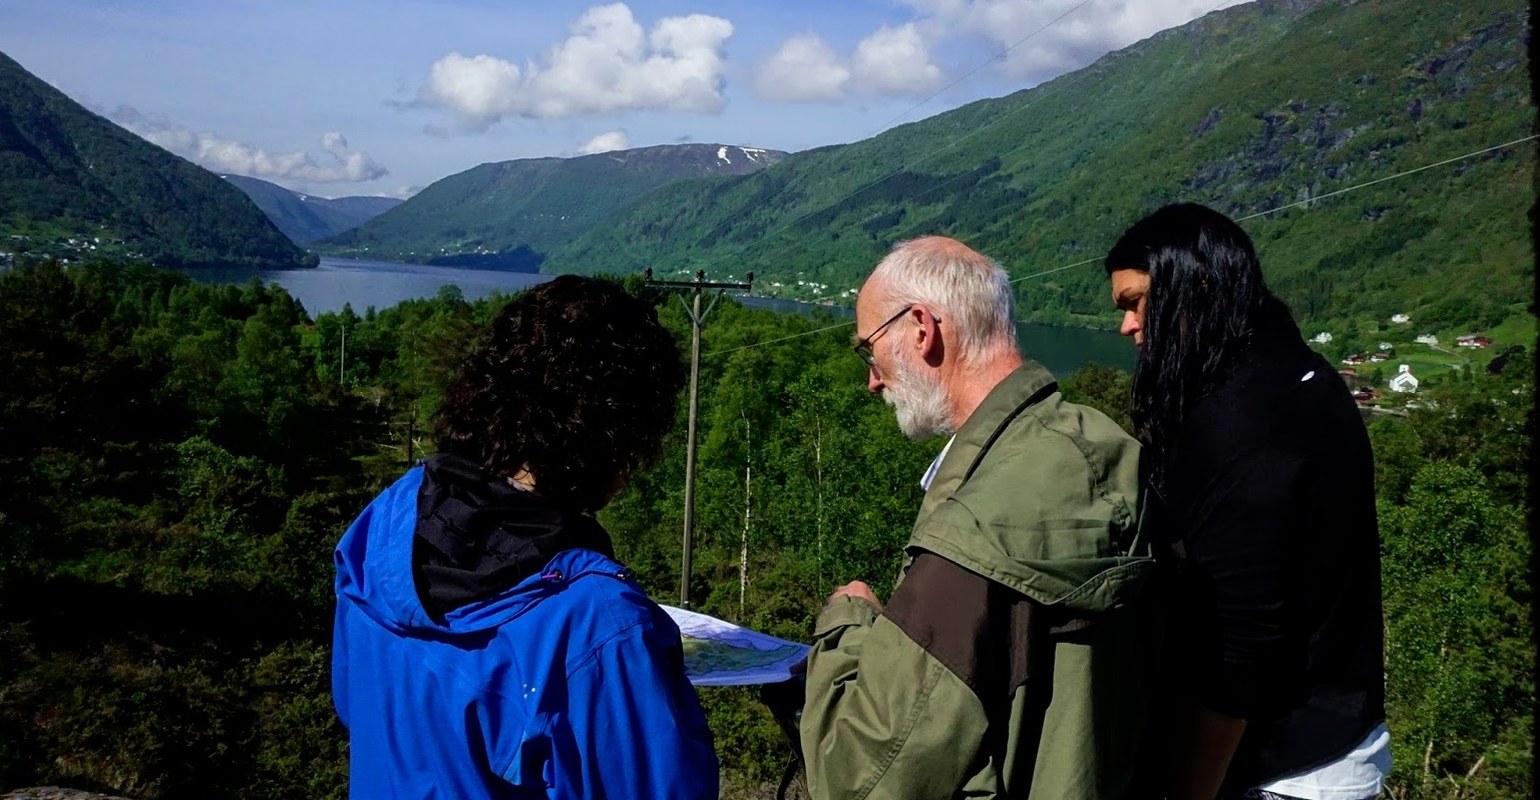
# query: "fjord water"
339,281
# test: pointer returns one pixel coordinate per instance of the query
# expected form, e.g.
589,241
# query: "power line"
1056,269
781,339
1391,177
1307,201
1304,202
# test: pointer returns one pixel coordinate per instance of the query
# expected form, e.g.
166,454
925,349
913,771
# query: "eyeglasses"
863,348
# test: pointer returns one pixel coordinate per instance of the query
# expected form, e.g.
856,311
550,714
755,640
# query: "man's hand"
859,590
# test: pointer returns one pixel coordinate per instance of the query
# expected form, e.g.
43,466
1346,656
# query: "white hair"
967,290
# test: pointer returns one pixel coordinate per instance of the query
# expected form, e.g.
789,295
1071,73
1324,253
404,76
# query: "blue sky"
386,96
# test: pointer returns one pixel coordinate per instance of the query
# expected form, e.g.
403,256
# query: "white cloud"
403,192
898,60
1052,47
804,69
218,154
609,63
894,61
891,61
604,143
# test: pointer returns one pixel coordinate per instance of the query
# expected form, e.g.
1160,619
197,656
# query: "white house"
1322,338
1404,381
1400,319
1386,346
1428,339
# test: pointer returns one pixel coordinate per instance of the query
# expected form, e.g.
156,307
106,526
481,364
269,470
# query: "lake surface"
383,284
376,283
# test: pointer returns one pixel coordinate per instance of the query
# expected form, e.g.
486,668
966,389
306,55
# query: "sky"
383,97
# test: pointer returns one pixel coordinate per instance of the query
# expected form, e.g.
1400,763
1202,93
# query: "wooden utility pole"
696,288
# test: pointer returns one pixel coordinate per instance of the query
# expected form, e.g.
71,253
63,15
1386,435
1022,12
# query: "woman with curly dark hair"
1260,469
487,644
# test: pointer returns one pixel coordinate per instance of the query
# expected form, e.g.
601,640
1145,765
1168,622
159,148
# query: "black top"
478,536
1269,498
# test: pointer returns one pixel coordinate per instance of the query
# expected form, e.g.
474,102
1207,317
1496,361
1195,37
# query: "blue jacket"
570,684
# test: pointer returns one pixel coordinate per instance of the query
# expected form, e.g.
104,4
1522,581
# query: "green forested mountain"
1244,109
71,181
306,218
512,213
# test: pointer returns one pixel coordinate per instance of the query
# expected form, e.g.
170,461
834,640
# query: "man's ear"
928,332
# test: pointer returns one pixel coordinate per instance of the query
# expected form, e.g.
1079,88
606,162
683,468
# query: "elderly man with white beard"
1010,659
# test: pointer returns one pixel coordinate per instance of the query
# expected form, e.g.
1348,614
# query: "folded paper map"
719,653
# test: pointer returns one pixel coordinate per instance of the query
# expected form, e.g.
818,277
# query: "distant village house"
1404,381
1353,380
1472,340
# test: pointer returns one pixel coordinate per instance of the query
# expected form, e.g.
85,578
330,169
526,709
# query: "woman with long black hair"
1261,478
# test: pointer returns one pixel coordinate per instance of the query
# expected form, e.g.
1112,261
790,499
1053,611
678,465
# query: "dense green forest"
1245,109
75,185
178,459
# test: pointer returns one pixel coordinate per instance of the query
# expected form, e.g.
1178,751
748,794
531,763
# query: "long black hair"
577,382
1206,302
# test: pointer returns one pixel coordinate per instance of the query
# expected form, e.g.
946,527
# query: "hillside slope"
73,182
1244,109
306,218
510,213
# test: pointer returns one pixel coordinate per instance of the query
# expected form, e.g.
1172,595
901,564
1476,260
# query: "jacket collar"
1028,385
1082,584
477,535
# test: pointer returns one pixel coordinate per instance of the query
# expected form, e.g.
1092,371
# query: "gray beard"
918,400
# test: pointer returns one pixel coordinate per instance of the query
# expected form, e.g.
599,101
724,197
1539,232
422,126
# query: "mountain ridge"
508,214
74,184
305,218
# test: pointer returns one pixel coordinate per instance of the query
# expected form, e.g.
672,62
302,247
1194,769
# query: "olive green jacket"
1010,660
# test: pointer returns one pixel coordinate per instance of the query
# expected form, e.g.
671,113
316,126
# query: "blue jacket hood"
374,571
438,551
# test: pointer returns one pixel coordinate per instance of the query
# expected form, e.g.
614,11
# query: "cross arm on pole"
696,287
699,283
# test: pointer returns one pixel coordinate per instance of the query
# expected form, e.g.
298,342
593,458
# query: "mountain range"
1410,123
306,218
510,214
74,184
1245,109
